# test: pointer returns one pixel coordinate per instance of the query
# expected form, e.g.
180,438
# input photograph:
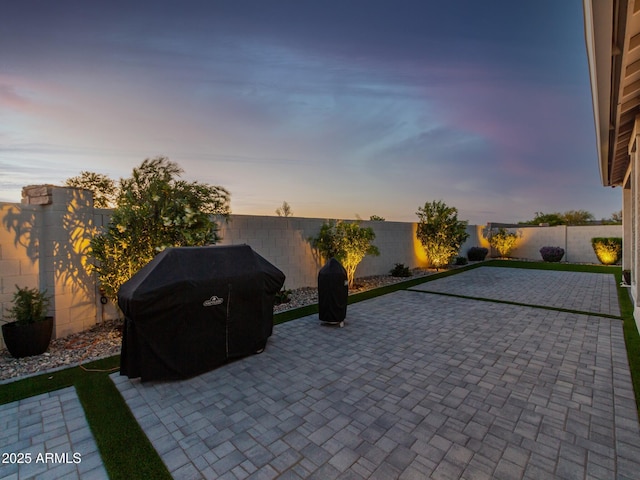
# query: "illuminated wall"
44,242
19,251
576,241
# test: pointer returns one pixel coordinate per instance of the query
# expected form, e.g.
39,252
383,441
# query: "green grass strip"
631,336
51,381
125,450
630,330
518,304
295,313
560,267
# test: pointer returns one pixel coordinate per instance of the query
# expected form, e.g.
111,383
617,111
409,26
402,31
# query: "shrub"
607,249
477,254
503,241
552,254
283,296
460,261
347,242
155,210
29,305
400,271
440,232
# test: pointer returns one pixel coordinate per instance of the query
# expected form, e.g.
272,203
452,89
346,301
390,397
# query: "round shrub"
608,250
400,271
460,261
552,254
477,254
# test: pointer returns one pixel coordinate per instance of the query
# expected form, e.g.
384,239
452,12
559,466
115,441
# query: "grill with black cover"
333,293
192,309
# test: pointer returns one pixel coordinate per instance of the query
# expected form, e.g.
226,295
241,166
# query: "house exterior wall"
44,243
631,198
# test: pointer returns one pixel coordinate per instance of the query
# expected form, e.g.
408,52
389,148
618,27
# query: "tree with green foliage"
348,242
578,217
376,218
440,232
570,217
155,210
104,189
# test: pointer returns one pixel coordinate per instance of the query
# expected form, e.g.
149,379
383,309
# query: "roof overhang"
612,35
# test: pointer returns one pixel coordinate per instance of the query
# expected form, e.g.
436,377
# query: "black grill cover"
333,292
192,309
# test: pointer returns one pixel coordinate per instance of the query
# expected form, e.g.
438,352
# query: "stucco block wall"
44,243
19,253
285,243
576,241
282,241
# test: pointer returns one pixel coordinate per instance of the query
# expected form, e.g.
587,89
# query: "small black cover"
192,309
333,292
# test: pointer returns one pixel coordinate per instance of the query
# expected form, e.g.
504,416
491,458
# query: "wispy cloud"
392,104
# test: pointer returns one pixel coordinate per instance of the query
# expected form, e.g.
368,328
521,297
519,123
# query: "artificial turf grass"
630,330
49,382
518,304
126,451
52,381
300,312
631,337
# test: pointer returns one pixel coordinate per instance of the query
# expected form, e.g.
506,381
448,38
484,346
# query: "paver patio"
416,385
51,423
586,292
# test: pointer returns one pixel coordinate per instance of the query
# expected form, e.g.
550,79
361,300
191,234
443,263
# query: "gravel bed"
105,339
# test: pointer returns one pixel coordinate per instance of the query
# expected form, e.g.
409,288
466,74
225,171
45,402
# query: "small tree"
155,210
348,242
503,241
440,232
104,189
376,218
284,210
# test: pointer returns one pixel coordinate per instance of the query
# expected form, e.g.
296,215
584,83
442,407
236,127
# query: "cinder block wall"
20,229
285,243
576,241
579,241
44,243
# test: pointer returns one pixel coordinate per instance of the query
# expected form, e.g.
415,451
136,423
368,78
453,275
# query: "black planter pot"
27,340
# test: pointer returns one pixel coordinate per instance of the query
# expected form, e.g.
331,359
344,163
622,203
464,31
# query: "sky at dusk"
340,108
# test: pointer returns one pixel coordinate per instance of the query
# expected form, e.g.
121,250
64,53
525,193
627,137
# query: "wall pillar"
67,218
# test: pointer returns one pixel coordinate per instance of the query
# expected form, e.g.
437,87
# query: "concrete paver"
581,291
47,436
415,386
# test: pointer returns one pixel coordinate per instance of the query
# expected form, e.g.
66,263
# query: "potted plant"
31,331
